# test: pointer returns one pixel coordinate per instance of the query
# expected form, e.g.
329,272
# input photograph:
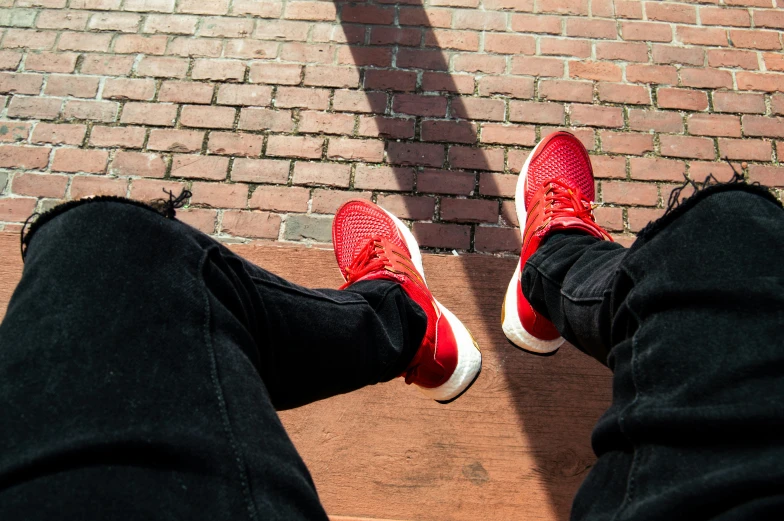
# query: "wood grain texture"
516,446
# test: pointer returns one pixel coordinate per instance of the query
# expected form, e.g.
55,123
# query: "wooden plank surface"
515,447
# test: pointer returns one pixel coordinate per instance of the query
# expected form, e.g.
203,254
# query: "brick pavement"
274,112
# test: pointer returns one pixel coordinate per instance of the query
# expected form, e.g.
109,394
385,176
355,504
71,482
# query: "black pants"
141,364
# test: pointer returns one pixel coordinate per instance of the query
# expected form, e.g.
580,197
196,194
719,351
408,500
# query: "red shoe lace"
371,257
565,201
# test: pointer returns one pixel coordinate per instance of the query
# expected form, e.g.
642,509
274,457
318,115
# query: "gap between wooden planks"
516,446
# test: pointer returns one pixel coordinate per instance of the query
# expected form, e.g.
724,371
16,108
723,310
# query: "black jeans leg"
690,318
141,363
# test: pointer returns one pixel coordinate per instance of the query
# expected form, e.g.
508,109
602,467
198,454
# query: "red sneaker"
370,243
556,185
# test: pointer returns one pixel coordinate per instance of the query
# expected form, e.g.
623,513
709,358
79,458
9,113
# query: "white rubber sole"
510,320
469,358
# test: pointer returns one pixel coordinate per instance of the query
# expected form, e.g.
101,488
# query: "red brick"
367,14
198,7
234,144
290,146
574,7
476,158
630,9
369,150
460,40
106,65
600,71
40,185
137,164
455,3
86,186
127,89
459,83
390,80
751,39
126,137
76,160
631,193
324,11
767,175
656,169
684,146
478,109
640,217
536,66
221,195
260,170
316,122
596,116
281,30
757,81
565,47
16,209
277,73
64,62
777,103
419,59
395,36
175,140
478,20
186,92
307,53
72,20
20,83
610,219
206,117
78,87
469,210
416,154
11,131
609,167
508,135
652,74
199,167
498,185
408,207
706,78
767,18
671,12
589,28
418,105
294,97
625,51
678,55
723,16
220,27
218,70
322,174
510,43
393,179
201,219
59,134
446,182
251,49
326,76
633,144
437,235
682,99
522,88
516,158
86,42
150,5
255,95
390,128
152,189
763,126
120,22
170,24
487,64
449,131
699,171
625,94
533,112
188,47
646,31
732,58
656,121
29,39
159,114
162,67
562,90
136,43
751,149
773,61
702,36
713,125
328,201
535,23
266,119
263,225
